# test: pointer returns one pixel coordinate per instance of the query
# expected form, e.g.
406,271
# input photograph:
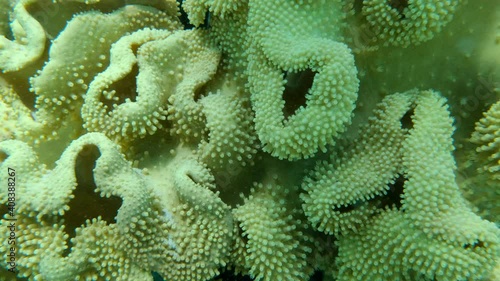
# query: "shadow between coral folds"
296,88
86,204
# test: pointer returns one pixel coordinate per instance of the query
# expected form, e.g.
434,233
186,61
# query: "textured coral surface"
273,140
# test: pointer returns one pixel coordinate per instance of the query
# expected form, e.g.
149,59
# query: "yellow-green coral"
64,80
202,225
294,46
358,172
433,212
197,68
120,110
432,199
481,168
170,66
14,115
29,40
277,42
231,139
123,248
276,245
45,238
487,137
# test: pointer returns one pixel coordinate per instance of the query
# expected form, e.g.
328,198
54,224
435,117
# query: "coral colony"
273,140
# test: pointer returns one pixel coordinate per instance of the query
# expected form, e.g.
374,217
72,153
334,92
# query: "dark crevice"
406,120
125,88
318,275
477,244
192,179
229,275
87,204
134,48
156,276
206,22
348,208
230,180
200,92
185,19
5,208
21,86
296,88
243,235
393,196
399,5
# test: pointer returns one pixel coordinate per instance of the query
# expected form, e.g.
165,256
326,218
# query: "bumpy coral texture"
487,138
482,166
29,39
205,140
264,209
377,153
